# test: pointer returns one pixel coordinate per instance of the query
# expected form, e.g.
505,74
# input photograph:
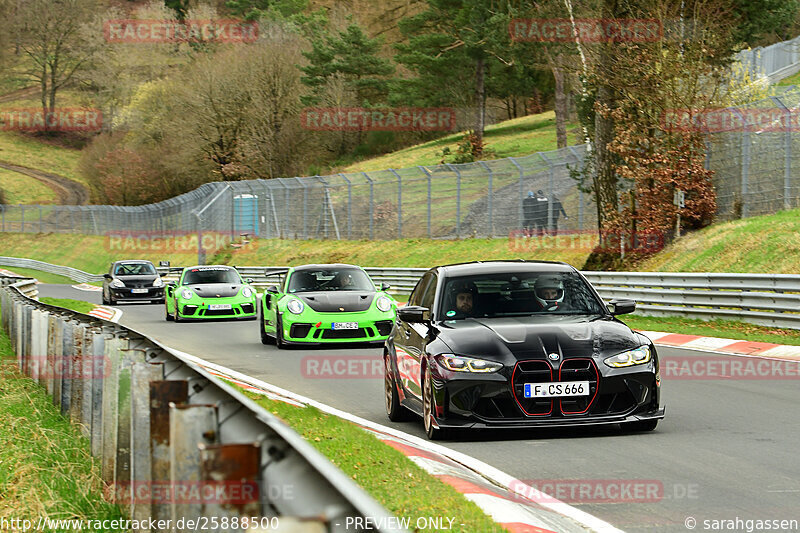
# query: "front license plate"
139,291
550,390
215,307
344,325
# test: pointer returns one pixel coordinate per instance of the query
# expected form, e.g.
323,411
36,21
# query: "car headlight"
295,306
117,284
467,364
637,356
158,283
247,292
383,303
187,294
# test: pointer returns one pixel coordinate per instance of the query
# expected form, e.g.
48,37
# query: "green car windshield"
211,275
336,279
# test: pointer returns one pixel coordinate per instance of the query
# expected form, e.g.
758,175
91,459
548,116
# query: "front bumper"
316,328
497,400
126,294
199,309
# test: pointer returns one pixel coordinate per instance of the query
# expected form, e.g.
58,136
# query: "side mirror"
272,289
385,286
414,314
164,274
109,277
249,280
171,284
621,306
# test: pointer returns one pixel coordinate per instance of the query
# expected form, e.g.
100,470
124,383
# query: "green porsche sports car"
207,292
316,304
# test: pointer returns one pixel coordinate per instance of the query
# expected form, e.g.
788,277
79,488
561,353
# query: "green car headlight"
383,304
295,306
637,356
467,364
247,292
187,294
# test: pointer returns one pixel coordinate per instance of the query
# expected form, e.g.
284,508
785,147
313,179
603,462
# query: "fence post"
745,146
787,153
550,192
371,203
349,206
521,217
490,199
305,208
428,175
458,199
399,203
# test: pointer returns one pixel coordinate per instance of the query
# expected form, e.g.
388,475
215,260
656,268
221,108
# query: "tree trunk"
480,98
560,104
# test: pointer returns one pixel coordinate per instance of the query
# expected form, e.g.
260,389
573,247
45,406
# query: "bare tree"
53,41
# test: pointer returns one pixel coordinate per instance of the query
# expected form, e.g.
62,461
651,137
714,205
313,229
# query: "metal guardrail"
68,272
160,423
764,299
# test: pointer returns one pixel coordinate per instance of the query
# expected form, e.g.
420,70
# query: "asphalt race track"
726,449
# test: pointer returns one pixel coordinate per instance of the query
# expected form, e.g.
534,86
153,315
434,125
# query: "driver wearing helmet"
549,292
461,299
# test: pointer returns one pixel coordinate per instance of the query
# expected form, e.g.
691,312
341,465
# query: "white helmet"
549,282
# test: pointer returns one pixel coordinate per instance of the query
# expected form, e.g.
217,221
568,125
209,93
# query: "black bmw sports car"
517,344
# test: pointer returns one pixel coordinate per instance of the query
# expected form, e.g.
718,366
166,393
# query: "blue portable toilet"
245,214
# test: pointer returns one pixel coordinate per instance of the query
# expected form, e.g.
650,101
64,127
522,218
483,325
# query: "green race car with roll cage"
316,304
210,292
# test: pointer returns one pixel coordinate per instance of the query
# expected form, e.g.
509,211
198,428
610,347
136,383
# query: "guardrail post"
99,369
38,345
142,374
162,394
63,366
74,373
189,426
113,353
53,341
122,471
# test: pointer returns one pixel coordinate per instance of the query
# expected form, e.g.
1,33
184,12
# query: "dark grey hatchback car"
517,344
132,281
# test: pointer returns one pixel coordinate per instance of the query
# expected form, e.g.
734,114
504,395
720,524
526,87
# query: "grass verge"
398,484
44,277
67,303
726,329
46,468
765,244
510,138
22,189
27,151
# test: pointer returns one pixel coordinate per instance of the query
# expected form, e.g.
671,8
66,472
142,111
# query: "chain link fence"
756,172
482,199
757,166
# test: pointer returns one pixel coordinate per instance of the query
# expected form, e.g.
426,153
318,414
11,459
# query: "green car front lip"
366,320
235,302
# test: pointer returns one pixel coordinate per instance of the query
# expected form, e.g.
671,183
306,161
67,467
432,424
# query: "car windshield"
518,294
134,269
330,279
211,275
